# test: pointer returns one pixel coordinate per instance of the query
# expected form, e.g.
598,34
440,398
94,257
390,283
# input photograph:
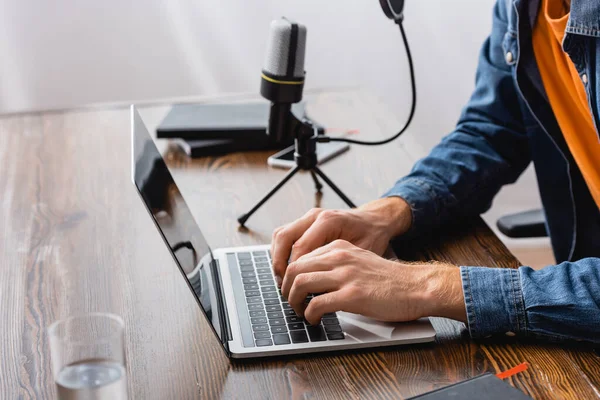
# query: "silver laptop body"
235,288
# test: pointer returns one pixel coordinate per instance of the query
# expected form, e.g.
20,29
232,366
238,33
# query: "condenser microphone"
282,78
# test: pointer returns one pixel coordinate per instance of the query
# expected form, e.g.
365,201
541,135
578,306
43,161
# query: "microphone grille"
281,59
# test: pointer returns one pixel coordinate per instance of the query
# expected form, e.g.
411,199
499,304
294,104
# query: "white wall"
64,53
61,53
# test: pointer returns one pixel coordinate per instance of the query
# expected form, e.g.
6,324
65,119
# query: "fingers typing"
285,237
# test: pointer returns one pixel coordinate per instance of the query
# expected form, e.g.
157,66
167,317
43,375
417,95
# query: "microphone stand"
306,136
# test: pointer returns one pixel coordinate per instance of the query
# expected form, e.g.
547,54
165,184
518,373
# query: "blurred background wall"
56,54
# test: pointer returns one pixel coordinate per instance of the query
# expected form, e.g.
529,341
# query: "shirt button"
509,333
509,57
584,78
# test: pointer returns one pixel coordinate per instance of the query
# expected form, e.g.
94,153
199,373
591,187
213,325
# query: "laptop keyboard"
273,320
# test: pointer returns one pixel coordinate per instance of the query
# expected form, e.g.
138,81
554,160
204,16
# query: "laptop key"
246,263
267,282
258,328
249,280
259,253
255,306
268,289
295,326
244,256
251,286
253,300
286,306
270,302
293,319
336,336
330,321
248,274
263,270
316,333
277,322
333,328
263,265
273,315
252,293
273,308
247,268
289,313
262,277
279,329
262,335
258,320
257,314
270,295
264,342
261,259
299,336
281,339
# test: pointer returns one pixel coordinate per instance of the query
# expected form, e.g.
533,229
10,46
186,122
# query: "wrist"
443,292
394,212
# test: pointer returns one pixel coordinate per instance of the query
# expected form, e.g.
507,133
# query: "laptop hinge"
222,306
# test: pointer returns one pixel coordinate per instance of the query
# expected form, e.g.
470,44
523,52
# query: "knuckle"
339,256
328,215
319,302
340,243
353,292
313,212
292,269
301,281
277,232
298,246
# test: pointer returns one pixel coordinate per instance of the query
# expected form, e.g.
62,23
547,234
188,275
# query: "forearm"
440,289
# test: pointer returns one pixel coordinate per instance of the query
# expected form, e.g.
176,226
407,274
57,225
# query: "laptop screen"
174,220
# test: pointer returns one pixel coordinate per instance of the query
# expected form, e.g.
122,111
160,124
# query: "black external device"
205,121
485,386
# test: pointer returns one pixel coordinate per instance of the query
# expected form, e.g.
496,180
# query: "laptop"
235,288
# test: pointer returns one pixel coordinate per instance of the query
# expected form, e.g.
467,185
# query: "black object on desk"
216,147
238,121
215,121
486,386
216,129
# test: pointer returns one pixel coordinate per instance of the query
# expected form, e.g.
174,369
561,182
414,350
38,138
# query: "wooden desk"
74,237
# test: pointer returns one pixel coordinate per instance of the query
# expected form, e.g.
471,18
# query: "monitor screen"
174,220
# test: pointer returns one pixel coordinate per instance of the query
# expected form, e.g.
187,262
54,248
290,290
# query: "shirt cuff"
422,201
494,301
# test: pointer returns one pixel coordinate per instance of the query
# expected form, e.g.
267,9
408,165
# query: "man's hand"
359,281
369,227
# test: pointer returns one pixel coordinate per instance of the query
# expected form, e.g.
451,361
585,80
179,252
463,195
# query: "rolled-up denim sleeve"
559,302
422,199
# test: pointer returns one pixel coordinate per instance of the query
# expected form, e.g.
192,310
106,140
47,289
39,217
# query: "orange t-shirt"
566,92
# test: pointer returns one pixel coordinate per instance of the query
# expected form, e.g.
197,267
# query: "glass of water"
88,357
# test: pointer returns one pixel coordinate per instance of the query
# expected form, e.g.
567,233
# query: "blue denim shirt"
507,124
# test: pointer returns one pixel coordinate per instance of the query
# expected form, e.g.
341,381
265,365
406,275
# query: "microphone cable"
326,139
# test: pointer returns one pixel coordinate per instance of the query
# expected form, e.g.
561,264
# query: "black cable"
325,139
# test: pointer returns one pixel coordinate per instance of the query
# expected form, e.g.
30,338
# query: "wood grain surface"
74,238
